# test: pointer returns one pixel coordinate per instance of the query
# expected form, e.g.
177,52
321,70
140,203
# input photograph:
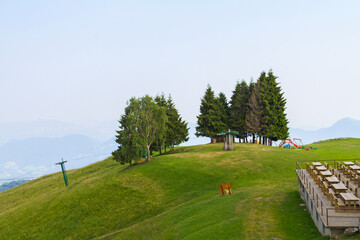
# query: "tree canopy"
144,121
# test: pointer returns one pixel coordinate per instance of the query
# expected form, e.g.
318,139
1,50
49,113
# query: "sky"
80,61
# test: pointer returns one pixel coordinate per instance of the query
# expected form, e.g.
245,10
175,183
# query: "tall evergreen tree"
238,108
275,110
177,130
209,122
255,111
223,109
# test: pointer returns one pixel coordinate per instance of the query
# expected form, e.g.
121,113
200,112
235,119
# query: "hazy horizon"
81,62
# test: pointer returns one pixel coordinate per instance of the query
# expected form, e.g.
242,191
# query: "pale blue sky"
82,60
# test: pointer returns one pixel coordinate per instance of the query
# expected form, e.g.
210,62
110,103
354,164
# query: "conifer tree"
254,113
224,109
177,130
238,108
274,124
209,122
275,109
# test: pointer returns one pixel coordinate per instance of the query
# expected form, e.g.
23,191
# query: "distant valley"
32,149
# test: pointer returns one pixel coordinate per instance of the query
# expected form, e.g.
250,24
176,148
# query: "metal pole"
63,171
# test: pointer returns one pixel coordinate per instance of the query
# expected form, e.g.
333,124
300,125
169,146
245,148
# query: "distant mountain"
34,157
345,127
6,186
54,129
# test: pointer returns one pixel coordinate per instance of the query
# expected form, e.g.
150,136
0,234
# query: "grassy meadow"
175,196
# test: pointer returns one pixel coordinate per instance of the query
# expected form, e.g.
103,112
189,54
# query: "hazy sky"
82,60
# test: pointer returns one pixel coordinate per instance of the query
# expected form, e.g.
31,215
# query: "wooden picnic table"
354,167
349,198
321,168
326,173
339,187
332,180
349,163
316,164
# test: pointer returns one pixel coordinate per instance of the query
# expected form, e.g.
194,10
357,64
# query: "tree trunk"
253,138
148,153
160,150
270,143
165,149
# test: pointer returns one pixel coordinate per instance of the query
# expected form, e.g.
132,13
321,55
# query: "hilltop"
175,196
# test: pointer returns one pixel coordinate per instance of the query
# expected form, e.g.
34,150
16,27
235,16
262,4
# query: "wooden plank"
316,164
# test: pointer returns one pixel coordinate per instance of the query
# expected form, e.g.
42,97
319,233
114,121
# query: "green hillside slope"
175,196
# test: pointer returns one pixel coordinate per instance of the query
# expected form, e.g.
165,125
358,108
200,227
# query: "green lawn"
175,196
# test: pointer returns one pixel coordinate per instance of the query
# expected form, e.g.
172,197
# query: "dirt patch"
258,198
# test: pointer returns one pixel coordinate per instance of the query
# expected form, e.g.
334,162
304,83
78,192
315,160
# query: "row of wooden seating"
353,176
326,188
347,176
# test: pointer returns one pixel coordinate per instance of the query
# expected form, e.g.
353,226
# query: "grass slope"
175,196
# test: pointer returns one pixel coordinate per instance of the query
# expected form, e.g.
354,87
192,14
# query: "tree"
223,109
130,144
274,106
159,143
253,117
209,122
177,130
143,122
238,108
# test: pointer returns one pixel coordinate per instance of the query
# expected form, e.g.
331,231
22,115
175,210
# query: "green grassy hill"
175,196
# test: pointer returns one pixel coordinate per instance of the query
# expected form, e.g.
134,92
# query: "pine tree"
254,113
177,130
264,92
209,122
238,108
224,109
274,124
278,128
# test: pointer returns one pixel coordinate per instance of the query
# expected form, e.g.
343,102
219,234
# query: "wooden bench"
344,181
338,165
352,175
353,189
329,192
337,174
331,169
326,165
357,163
337,202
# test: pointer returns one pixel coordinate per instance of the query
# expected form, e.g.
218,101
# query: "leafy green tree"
130,144
209,122
238,108
143,122
160,141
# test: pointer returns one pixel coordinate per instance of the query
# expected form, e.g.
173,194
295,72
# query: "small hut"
228,139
